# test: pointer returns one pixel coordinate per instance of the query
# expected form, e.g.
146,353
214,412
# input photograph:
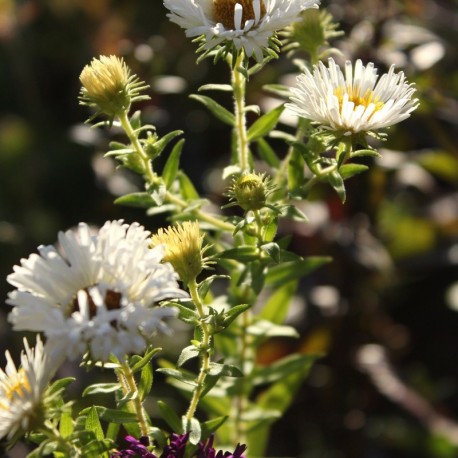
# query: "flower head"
177,449
183,248
22,391
109,85
244,24
137,447
357,101
99,296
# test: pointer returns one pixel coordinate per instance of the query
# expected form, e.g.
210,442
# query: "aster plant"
102,296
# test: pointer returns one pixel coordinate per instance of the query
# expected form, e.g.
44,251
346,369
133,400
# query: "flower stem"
152,178
239,87
205,354
129,385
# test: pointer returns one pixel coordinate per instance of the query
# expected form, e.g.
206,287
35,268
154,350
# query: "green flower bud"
250,191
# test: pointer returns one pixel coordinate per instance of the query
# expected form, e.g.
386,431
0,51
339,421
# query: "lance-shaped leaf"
170,417
171,166
293,270
265,124
93,423
215,108
267,153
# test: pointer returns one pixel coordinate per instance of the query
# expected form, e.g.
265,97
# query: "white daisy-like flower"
248,24
22,390
99,295
354,101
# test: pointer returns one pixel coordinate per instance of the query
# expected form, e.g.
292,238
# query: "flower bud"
250,191
109,85
312,32
183,249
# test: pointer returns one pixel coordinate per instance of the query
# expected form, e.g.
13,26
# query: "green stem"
127,381
246,364
152,178
205,355
239,87
259,226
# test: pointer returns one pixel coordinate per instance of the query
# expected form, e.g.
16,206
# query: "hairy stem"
239,87
152,178
129,386
205,355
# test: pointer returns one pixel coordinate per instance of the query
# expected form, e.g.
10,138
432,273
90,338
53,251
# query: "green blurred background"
385,311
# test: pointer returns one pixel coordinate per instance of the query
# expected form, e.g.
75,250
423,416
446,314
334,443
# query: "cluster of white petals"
354,101
99,295
21,390
197,17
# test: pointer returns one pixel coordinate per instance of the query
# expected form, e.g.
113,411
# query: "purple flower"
137,448
176,447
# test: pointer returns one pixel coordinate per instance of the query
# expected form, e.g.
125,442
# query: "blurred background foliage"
385,312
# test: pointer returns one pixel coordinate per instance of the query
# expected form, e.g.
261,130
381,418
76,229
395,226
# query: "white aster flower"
357,101
22,391
248,24
99,296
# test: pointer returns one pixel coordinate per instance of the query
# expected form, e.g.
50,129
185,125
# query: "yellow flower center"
355,96
15,387
223,11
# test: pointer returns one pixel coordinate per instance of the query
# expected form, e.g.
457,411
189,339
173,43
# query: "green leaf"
136,199
365,152
179,375
282,368
224,370
66,424
278,89
211,426
117,416
293,270
265,329
245,253
144,360
171,166
93,424
233,313
216,87
215,108
113,431
187,353
101,388
336,181
204,285
186,314
278,397
160,145
170,417
146,382
267,153
296,169
188,191
193,428
60,384
348,170
276,308
265,124
273,250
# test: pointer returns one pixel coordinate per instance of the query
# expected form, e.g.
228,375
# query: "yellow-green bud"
312,32
250,191
183,249
109,85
